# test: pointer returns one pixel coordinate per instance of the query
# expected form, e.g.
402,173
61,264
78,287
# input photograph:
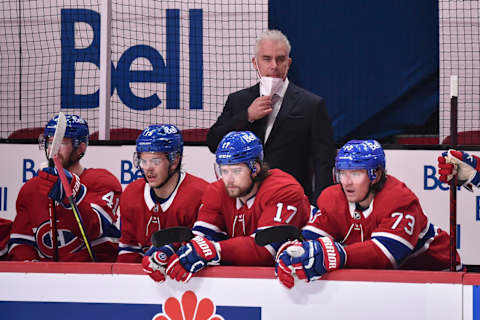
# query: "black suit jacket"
301,141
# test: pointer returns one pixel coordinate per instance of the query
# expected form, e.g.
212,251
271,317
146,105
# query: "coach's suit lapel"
290,99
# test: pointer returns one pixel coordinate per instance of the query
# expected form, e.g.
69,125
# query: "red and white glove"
462,164
193,257
308,260
156,260
284,270
51,185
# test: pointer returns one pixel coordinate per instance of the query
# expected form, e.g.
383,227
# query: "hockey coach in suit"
292,123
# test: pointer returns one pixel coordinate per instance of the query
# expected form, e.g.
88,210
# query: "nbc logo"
189,308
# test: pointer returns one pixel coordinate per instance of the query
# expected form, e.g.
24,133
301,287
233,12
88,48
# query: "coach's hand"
260,107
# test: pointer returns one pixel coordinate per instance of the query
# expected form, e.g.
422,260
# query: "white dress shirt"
277,100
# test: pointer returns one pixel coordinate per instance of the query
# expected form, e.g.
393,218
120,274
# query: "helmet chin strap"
169,176
366,196
249,189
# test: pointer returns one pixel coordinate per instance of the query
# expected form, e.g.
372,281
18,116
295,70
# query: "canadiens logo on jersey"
67,242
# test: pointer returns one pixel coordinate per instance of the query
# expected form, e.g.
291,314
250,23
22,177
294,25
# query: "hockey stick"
454,181
171,235
277,234
76,212
281,233
53,228
56,143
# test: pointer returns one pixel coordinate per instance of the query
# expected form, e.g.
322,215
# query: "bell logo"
430,180
165,66
189,308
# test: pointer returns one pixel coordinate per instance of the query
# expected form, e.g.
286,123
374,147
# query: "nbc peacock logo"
189,307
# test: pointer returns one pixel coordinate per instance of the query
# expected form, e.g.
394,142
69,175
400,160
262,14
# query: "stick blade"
59,134
171,235
277,234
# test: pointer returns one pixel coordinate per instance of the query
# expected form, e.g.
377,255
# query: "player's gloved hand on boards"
462,164
317,257
155,261
51,185
193,257
285,271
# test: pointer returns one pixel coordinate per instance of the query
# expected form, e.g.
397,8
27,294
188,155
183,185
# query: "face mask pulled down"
269,85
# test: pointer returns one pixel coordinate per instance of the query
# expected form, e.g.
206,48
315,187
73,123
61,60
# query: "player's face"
355,183
155,166
272,59
237,179
65,153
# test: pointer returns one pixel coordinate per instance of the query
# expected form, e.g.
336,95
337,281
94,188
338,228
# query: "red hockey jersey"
140,216
279,200
31,237
5,227
393,232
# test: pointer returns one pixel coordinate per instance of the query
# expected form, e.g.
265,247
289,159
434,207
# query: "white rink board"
317,300
417,168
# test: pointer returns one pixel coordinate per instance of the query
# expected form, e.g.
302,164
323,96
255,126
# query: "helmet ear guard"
372,174
252,167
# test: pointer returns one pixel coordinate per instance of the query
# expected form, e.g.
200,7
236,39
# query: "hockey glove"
284,270
51,185
155,261
193,257
460,163
317,257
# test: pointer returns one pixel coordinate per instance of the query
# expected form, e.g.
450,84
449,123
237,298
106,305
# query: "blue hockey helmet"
76,129
161,138
239,147
361,154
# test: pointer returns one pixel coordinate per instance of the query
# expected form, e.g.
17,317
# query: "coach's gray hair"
272,35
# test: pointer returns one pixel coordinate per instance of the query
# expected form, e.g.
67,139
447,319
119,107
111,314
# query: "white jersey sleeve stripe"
317,231
386,253
22,236
272,251
393,237
209,226
101,211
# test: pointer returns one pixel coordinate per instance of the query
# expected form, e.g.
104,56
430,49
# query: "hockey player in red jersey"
166,197
5,227
247,198
462,164
368,220
96,192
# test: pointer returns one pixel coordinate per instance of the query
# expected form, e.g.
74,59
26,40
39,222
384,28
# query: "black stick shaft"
453,186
